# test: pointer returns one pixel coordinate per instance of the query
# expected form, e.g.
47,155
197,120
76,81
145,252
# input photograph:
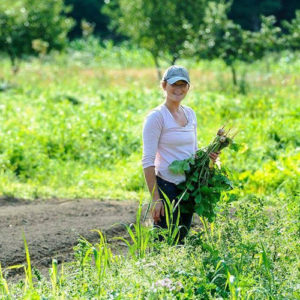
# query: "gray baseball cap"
175,73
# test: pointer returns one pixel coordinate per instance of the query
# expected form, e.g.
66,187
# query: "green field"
70,127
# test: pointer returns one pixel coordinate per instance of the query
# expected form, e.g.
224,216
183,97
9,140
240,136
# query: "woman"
169,133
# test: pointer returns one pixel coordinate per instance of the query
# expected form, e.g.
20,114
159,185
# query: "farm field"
71,129
52,228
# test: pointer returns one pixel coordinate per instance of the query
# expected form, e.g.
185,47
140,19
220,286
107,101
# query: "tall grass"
140,236
4,290
171,234
207,266
103,258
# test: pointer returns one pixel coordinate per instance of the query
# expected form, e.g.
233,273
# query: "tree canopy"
247,12
31,26
166,29
220,37
90,11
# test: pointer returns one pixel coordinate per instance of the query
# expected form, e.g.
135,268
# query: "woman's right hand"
157,210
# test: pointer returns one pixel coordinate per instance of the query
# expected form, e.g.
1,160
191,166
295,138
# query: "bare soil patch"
52,228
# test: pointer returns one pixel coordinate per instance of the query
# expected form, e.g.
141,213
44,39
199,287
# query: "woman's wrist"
157,200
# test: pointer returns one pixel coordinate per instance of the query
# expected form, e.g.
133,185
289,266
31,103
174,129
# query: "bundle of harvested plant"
204,181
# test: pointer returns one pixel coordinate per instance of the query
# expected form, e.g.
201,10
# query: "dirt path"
52,228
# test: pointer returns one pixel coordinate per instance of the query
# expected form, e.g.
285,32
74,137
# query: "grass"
71,128
244,255
67,134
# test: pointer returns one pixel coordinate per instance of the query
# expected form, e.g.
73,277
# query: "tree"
90,11
292,38
165,28
220,37
287,11
247,12
31,26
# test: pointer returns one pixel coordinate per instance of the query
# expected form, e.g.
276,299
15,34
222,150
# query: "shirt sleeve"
151,133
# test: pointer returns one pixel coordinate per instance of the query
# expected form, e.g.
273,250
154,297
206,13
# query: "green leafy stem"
205,181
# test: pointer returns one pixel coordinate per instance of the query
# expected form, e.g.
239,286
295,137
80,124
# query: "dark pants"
172,192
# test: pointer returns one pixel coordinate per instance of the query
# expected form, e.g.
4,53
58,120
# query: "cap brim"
177,78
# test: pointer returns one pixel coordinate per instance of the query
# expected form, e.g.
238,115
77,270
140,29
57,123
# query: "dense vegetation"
243,12
71,123
32,27
169,31
71,127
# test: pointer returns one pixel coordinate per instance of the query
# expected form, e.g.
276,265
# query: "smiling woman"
169,133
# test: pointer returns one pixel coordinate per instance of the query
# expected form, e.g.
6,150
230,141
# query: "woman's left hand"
214,156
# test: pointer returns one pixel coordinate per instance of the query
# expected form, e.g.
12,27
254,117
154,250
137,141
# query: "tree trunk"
173,60
13,60
243,83
155,58
233,72
255,22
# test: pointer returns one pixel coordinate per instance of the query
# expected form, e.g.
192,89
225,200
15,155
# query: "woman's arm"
151,183
157,209
151,133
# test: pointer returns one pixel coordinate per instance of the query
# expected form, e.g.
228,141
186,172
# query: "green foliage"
52,147
92,51
89,10
292,38
247,13
28,27
181,166
3,284
220,37
203,200
103,258
199,28
204,182
166,29
249,252
140,236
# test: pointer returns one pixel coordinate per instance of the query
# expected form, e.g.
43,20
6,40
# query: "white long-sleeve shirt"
164,141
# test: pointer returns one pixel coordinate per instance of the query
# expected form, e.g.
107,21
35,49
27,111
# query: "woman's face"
176,91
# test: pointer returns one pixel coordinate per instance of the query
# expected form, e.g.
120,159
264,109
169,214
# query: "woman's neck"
172,106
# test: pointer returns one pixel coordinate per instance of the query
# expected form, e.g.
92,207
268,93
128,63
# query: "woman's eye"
179,85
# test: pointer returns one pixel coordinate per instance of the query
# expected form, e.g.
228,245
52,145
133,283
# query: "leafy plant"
292,38
204,182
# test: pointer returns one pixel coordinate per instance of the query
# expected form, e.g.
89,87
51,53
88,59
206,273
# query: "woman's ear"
163,84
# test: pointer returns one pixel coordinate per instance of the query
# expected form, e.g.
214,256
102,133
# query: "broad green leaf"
199,209
198,198
186,196
177,166
205,190
234,146
190,187
186,166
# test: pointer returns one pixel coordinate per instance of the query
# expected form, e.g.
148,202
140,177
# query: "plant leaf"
198,198
234,146
199,209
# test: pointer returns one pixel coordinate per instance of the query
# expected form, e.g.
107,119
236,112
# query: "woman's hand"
214,156
157,210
